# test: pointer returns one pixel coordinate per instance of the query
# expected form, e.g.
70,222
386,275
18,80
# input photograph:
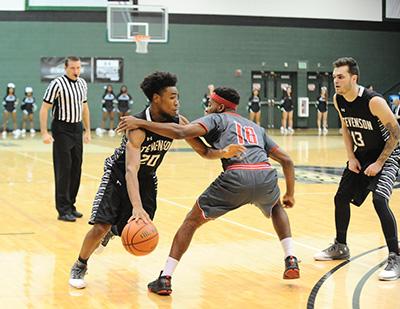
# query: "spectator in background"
322,112
108,101
287,108
254,107
10,102
28,107
124,102
206,98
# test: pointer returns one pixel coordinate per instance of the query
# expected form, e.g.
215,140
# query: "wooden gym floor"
233,262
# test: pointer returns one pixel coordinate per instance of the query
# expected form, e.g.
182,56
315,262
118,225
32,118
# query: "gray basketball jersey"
228,128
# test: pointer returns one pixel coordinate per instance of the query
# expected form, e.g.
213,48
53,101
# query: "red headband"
220,100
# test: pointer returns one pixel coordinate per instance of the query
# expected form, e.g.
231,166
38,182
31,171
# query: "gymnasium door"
272,84
316,80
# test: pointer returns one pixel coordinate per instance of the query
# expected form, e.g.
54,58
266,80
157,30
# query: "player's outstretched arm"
132,163
288,170
171,130
207,152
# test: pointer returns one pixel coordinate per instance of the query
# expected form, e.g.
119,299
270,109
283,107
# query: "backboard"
125,21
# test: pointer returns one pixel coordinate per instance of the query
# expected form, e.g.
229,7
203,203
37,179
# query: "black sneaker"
161,286
77,214
292,270
67,218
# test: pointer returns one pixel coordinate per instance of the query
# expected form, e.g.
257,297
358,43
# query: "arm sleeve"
52,92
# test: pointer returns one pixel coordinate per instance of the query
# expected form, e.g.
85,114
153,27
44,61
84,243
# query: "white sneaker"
99,132
4,134
33,131
290,130
111,133
335,251
23,132
319,131
77,275
283,130
325,131
16,133
392,268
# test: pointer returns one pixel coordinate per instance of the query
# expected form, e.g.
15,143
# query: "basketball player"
129,185
248,179
371,135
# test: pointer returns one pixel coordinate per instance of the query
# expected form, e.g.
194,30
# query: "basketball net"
142,42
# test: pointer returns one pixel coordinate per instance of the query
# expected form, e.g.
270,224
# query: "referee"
67,97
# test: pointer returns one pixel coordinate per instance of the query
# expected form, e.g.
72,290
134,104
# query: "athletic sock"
287,245
170,266
84,261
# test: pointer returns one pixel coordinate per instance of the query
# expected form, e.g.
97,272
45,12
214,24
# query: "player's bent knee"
100,229
341,199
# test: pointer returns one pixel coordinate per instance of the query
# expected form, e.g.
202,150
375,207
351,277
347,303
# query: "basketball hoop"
141,43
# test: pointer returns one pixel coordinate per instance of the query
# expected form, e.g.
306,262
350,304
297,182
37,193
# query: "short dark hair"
71,58
156,82
351,63
229,94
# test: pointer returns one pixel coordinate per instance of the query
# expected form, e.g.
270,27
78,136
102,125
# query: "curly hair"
156,82
229,94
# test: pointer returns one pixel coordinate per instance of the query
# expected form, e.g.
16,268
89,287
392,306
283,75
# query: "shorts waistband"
250,166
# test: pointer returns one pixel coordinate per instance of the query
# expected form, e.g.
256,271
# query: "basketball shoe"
392,268
336,251
292,270
161,286
77,275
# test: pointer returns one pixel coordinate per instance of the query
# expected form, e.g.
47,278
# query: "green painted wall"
198,54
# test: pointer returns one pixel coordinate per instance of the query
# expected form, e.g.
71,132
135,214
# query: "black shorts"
322,107
9,109
108,107
112,205
254,108
287,108
356,187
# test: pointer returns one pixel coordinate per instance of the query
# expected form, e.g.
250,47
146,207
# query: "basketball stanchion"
142,42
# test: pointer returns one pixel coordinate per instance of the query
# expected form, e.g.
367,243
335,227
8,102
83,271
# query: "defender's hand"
233,150
354,165
127,123
373,169
288,201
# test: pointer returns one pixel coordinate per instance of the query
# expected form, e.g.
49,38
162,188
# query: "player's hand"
127,123
233,150
354,165
373,169
47,138
139,214
288,201
87,137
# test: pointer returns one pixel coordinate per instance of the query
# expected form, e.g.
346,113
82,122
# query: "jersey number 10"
245,134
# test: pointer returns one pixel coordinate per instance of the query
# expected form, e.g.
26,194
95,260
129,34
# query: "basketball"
139,238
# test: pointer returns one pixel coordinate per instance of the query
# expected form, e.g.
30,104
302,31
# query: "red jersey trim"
254,166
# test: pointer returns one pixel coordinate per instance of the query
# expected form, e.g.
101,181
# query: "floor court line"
183,206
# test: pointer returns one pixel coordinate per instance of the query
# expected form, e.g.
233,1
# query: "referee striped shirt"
67,97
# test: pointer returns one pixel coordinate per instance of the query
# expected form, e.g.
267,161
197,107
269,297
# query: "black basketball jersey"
367,131
153,150
108,100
